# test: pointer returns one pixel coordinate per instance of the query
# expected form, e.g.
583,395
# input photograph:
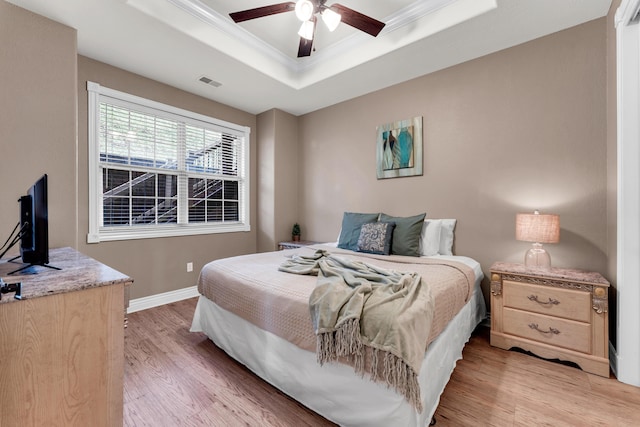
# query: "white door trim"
628,235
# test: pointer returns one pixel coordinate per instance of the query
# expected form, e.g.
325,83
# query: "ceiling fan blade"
358,20
259,12
305,47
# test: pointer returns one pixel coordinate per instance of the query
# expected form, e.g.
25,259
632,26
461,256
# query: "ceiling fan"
306,11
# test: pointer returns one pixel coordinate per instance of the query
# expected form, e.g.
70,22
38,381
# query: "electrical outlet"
189,267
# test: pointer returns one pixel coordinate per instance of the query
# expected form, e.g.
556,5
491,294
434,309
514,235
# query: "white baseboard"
613,359
162,299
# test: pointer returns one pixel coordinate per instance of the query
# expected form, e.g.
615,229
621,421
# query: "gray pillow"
375,237
351,224
406,236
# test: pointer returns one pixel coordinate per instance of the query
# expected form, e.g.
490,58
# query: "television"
34,226
34,223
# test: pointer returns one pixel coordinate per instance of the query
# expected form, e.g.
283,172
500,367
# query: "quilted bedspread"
252,287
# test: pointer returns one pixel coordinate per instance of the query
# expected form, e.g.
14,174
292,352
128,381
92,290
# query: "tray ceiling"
253,64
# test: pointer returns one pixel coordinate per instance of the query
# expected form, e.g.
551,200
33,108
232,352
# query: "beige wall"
37,118
514,131
43,129
277,177
266,151
157,265
286,182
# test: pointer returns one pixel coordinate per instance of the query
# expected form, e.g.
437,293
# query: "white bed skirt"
334,390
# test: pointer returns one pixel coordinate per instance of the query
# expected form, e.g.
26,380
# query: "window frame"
98,233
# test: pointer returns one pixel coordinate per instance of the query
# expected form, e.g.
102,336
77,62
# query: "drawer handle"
550,331
551,300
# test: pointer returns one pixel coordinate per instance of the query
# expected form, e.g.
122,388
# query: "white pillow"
430,237
436,237
446,236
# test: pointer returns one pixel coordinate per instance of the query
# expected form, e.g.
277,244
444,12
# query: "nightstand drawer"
566,303
547,329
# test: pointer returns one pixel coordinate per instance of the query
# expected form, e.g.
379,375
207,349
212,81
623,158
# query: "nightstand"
555,314
295,245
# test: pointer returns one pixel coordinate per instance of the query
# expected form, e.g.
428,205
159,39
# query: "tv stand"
61,346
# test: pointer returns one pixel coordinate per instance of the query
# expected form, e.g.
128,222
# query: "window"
158,171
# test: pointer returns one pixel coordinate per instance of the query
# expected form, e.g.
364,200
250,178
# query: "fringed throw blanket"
376,320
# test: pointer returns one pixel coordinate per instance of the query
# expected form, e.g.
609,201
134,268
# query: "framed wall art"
399,148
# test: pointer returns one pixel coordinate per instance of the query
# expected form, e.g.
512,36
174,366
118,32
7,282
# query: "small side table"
295,245
556,314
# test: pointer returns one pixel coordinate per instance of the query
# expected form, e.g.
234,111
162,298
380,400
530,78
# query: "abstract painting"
399,148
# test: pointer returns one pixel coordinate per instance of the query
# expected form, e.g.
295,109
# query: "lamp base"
537,258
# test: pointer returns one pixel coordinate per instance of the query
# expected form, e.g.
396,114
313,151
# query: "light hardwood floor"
177,378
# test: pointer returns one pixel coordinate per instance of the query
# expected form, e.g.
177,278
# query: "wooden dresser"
557,314
62,345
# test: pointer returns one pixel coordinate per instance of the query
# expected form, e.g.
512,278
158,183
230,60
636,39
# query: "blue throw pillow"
351,224
406,236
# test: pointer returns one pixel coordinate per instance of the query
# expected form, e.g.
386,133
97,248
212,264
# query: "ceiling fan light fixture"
331,19
306,30
304,10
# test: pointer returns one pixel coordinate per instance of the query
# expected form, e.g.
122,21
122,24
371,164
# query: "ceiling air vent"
207,80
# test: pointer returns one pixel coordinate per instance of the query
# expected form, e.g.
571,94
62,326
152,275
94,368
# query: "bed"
270,345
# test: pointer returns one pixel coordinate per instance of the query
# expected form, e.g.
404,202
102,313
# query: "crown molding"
403,17
205,13
397,20
627,12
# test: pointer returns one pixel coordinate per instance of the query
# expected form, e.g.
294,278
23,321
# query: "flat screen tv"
34,226
34,223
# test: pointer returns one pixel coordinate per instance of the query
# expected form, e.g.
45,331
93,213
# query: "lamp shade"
304,10
331,19
539,228
306,30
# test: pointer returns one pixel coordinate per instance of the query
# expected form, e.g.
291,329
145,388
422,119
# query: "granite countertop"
555,273
78,272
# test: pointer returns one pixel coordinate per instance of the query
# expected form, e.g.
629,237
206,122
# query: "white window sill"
131,233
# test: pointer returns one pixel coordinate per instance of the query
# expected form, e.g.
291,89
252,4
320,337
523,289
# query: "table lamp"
537,228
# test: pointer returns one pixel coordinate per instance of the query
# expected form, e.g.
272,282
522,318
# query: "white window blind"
158,171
